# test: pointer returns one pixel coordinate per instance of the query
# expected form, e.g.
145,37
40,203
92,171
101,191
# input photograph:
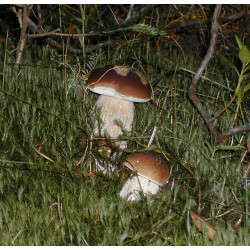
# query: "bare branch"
202,68
39,16
235,16
138,15
209,121
50,33
224,109
129,12
58,45
23,36
235,130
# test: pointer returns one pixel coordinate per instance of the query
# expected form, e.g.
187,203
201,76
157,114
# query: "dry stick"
152,137
39,24
129,12
235,130
23,35
55,33
59,210
65,63
183,25
209,121
224,109
138,15
53,43
203,66
90,48
19,15
43,155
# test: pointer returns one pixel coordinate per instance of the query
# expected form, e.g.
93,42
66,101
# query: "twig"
18,15
55,33
65,62
83,157
225,213
50,33
152,137
43,155
23,24
138,15
183,25
224,109
239,221
203,66
13,241
235,130
54,43
88,49
59,210
207,79
39,25
129,12
209,121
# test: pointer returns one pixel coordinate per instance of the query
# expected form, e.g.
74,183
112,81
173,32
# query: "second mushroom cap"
149,165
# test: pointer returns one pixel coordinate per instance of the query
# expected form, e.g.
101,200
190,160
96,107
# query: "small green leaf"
239,94
224,147
246,88
149,30
240,44
244,55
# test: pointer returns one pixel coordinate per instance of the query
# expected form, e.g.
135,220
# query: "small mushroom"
152,173
119,87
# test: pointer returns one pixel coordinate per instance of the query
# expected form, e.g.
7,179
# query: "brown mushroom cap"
149,165
120,82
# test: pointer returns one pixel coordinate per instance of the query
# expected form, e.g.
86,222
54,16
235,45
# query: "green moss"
91,211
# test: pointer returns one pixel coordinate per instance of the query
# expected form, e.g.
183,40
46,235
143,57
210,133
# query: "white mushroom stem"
134,186
112,110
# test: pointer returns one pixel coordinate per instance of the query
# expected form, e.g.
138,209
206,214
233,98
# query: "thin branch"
202,68
43,155
109,32
65,62
224,109
59,210
39,16
58,45
37,29
25,12
235,130
137,16
50,33
235,16
209,121
129,12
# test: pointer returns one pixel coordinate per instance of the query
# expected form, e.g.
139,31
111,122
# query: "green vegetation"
55,201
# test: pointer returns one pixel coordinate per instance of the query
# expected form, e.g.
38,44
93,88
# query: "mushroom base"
112,110
133,186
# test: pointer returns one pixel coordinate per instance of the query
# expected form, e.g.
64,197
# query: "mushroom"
152,173
119,87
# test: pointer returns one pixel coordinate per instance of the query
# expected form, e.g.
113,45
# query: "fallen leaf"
199,220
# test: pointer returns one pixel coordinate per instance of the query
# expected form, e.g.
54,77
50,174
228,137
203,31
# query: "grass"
58,203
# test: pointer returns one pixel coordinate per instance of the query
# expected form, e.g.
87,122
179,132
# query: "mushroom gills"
133,186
